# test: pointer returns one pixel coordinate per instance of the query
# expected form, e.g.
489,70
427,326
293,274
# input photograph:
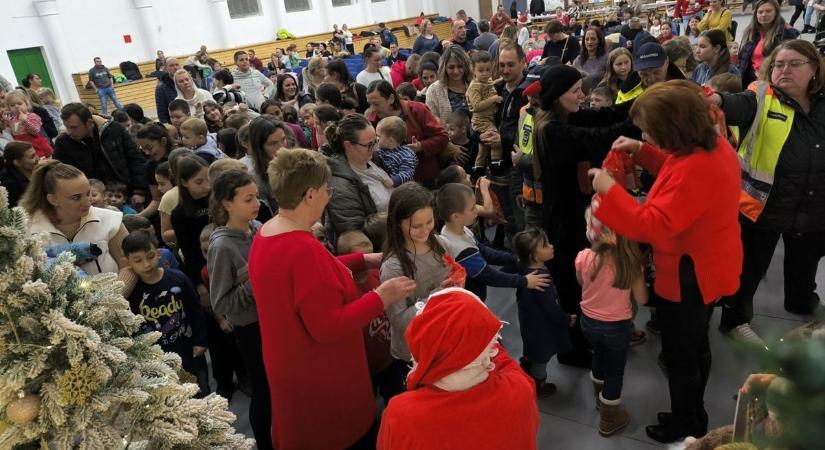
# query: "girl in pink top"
610,272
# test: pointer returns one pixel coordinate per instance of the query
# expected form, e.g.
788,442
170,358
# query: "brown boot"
597,389
613,417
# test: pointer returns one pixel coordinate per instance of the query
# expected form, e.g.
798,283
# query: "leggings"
798,10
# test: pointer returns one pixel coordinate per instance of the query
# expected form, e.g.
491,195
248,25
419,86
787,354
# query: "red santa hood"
452,330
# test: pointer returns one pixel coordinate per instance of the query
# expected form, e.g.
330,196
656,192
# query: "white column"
366,5
57,52
279,13
220,14
149,26
399,9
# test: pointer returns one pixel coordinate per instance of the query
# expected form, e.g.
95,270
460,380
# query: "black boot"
683,421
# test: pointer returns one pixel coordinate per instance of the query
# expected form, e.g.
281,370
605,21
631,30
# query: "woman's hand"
602,181
537,281
373,260
395,290
627,145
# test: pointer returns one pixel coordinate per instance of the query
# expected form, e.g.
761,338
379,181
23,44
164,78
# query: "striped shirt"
399,163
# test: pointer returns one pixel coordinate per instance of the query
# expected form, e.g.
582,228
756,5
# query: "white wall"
178,27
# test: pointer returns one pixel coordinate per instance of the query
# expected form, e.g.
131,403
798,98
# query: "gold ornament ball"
23,410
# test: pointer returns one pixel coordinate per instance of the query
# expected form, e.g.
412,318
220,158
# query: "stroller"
819,37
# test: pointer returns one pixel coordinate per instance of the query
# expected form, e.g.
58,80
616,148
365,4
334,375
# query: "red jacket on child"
692,209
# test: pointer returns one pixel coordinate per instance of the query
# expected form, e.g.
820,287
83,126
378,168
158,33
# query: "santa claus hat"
450,332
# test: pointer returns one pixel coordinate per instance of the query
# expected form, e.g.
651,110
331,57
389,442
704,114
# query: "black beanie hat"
555,82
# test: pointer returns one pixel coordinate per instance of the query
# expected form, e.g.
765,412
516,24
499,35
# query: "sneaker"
637,337
745,333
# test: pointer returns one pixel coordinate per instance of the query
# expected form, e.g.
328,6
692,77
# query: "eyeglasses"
793,64
367,145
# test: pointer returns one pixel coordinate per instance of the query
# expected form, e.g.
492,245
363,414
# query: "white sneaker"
745,333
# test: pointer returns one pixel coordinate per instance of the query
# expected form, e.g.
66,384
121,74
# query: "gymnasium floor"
568,418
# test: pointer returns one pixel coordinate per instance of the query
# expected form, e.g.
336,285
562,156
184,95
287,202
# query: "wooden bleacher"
142,91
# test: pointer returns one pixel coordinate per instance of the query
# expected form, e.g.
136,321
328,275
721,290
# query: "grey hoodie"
227,262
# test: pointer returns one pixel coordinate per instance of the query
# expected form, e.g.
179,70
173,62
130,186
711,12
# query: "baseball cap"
532,82
650,56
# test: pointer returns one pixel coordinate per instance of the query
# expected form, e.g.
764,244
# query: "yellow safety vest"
623,97
759,150
530,187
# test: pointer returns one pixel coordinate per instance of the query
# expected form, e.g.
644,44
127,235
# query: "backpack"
130,70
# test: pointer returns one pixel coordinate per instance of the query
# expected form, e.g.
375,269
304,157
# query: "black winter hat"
555,82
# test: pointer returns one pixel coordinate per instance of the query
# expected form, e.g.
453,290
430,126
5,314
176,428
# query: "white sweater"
254,85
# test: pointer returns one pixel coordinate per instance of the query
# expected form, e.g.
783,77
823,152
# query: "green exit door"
29,60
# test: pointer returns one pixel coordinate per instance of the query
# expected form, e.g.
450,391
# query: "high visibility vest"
759,150
525,139
623,97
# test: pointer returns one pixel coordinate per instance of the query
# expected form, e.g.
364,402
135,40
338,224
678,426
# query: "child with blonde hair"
24,124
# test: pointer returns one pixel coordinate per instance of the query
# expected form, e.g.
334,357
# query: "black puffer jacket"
797,199
507,115
351,202
108,154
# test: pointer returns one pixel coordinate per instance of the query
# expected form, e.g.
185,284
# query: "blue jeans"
610,341
102,94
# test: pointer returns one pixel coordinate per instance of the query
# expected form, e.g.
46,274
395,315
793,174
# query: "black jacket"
164,94
536,7
108,154
46,121
15,183
797,199
746,53
351,203
507,117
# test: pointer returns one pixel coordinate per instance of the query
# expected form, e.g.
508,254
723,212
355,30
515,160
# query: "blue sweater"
542,322
399,163
476,258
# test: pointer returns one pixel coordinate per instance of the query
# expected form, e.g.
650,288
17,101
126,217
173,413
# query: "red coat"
692,209
311,317
680,10
500,413
427,129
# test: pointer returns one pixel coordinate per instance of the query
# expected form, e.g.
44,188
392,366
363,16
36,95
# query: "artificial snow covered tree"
73,374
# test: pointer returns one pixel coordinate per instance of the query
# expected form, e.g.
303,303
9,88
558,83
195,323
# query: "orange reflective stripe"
749,206
530,194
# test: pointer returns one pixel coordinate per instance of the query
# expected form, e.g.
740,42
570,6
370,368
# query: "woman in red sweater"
464,391
425,134
690,220
311,316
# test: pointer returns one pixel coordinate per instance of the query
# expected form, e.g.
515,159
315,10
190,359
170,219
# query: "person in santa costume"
464,390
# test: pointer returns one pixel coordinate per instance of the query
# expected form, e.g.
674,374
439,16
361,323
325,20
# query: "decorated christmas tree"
73,373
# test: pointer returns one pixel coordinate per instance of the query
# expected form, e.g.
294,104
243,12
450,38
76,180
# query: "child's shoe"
613,418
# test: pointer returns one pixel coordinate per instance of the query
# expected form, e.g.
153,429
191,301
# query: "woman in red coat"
425,134
690,218
464,391
312,315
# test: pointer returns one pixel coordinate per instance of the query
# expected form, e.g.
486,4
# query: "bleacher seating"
142,91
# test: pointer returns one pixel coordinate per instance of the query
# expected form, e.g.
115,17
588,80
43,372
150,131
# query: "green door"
29,60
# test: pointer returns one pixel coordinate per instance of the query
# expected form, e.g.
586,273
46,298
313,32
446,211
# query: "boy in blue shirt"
456,204
169,304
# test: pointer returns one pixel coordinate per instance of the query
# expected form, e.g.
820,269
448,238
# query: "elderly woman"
448,93
461,374
194,96
691,225
311,316
314,74
425,134
58,204
782,121
357,181
766,30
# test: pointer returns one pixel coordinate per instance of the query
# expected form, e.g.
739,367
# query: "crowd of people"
328,236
